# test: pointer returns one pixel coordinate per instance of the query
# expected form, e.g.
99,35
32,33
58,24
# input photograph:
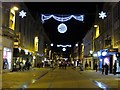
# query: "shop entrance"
7,58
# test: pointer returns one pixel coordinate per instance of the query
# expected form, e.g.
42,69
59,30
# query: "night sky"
76,30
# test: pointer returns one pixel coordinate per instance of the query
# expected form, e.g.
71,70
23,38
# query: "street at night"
60,78
60,45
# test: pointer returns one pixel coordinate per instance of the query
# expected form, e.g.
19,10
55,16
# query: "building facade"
22,37
105,43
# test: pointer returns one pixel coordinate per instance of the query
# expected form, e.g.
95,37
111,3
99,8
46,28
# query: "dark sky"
76,30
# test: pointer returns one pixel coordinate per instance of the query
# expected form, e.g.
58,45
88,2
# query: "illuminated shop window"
7,58
12,19
36,43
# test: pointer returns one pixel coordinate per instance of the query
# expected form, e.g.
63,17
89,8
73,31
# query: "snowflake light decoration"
22,13
102,15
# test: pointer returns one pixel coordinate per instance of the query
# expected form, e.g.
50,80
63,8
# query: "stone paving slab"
16,79
110,80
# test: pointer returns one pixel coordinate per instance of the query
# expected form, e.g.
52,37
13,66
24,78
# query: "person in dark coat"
115,68
96,67
103,68
106,69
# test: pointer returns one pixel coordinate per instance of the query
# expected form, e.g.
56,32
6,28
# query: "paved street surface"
60,78
16,79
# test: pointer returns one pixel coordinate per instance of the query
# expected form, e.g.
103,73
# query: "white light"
100,59
45,59
102,15
62,19
19,49
30,53
76,45
91,52
22,13
106,60
95,25
64,49
64,45
95,55
104,53
99,53
26,51
34,57
51,44
62,28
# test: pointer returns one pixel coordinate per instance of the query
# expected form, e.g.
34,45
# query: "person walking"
96,67
86,65
102,68
115,68
106,69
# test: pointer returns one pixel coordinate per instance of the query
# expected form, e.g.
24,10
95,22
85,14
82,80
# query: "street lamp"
97,31
95,26
15,8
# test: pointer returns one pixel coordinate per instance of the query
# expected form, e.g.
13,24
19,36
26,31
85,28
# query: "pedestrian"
27,64
86,65
115,68
96,67
65,65
102,68
106,69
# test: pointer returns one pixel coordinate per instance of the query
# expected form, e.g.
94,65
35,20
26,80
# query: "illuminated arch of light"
62,18
62,28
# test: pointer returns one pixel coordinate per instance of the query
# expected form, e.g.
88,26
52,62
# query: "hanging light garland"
62,19
62,28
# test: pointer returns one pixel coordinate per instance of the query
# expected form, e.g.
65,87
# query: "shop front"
20,57
118,62
106,56
88,62
7,58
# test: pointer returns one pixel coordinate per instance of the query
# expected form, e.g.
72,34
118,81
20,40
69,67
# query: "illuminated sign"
113,50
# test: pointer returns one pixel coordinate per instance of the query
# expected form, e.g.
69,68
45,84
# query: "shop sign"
113,50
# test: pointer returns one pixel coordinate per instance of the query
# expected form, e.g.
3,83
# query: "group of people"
20,66
105,68
63,64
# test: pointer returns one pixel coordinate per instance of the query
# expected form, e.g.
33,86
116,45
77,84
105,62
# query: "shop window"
7,57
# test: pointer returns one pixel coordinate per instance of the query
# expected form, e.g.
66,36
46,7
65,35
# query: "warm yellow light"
16,43
15,8
36,43
95,25
97,32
